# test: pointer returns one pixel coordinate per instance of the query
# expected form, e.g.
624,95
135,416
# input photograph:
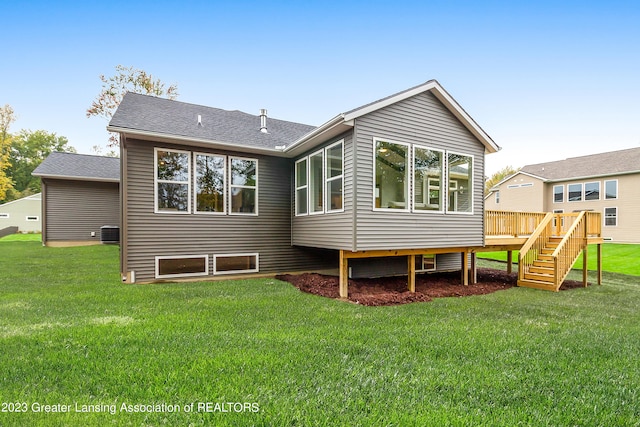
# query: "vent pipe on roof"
263,120
199,120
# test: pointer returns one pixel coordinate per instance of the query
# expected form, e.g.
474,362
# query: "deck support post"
599,256
585,270
474,270
412,272
509,262
465,268
344,276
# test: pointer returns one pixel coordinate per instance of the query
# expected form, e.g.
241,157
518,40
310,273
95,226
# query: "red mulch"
393,290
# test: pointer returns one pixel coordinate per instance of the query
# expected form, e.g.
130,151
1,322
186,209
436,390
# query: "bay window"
334,177
460,173
301,187
391,179
428,171
316,180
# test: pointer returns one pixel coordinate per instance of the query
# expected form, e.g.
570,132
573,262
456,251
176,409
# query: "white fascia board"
76,178
197,142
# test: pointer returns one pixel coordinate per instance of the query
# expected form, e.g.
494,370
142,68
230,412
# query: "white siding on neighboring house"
25,213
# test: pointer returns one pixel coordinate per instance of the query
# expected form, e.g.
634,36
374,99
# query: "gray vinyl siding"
397,266
152,234
75,209
328,230
423,120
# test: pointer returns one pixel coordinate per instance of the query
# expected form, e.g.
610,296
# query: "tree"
127,79
7,117
28,150
498,176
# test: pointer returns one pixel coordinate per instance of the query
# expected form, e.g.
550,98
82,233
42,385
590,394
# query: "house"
608,183
208,192
80,196
23,213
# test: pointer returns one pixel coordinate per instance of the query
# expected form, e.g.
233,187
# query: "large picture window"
209,183
334,177
428,171
243,186
460,189
172,181
301,187
391,175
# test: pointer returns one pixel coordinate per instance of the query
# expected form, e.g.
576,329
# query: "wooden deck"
548,245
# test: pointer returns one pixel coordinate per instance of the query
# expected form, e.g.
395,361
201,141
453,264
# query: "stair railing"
569,248
534,245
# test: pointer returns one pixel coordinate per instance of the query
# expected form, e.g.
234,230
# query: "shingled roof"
79,166
162,117
603,164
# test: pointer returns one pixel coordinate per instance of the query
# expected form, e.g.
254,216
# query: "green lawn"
72,334
616,258
19,237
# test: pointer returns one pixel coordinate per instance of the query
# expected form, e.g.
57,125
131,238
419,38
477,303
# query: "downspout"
43,208
124,268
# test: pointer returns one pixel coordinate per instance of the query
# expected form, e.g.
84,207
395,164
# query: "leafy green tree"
7,117
28,150
498,176
126,79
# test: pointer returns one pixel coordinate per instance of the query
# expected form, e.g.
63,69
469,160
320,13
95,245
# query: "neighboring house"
80,195
23,213
608,183
208,192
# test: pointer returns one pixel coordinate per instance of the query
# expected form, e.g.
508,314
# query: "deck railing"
534,246
508,223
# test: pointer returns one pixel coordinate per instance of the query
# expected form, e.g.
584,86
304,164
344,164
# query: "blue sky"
545,79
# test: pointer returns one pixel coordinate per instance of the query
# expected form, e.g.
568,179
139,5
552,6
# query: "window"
391,175
209,183
33,218
426,262
301,187
4,215
558,193
592,191
172,181
182,266
575,192
427,179
460,172
243,186
235,263
316,179
497,197
334,177
610,217
555,223
611,189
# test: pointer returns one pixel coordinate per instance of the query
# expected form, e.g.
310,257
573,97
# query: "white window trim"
156,181
327,180
604,216
413,173
231,186
581,184
435,264
471,184
408,172
617,190
224,185
306,186
31,218
215,263
5,215
497,197
322,183
599,191
554,193
169,276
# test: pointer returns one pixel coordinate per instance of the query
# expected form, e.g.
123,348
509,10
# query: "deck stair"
547,256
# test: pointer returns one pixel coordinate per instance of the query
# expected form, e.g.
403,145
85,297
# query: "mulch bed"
393,290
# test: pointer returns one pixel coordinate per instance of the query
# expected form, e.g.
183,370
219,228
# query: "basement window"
33,218
235,263
426,262
181,266
4,215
